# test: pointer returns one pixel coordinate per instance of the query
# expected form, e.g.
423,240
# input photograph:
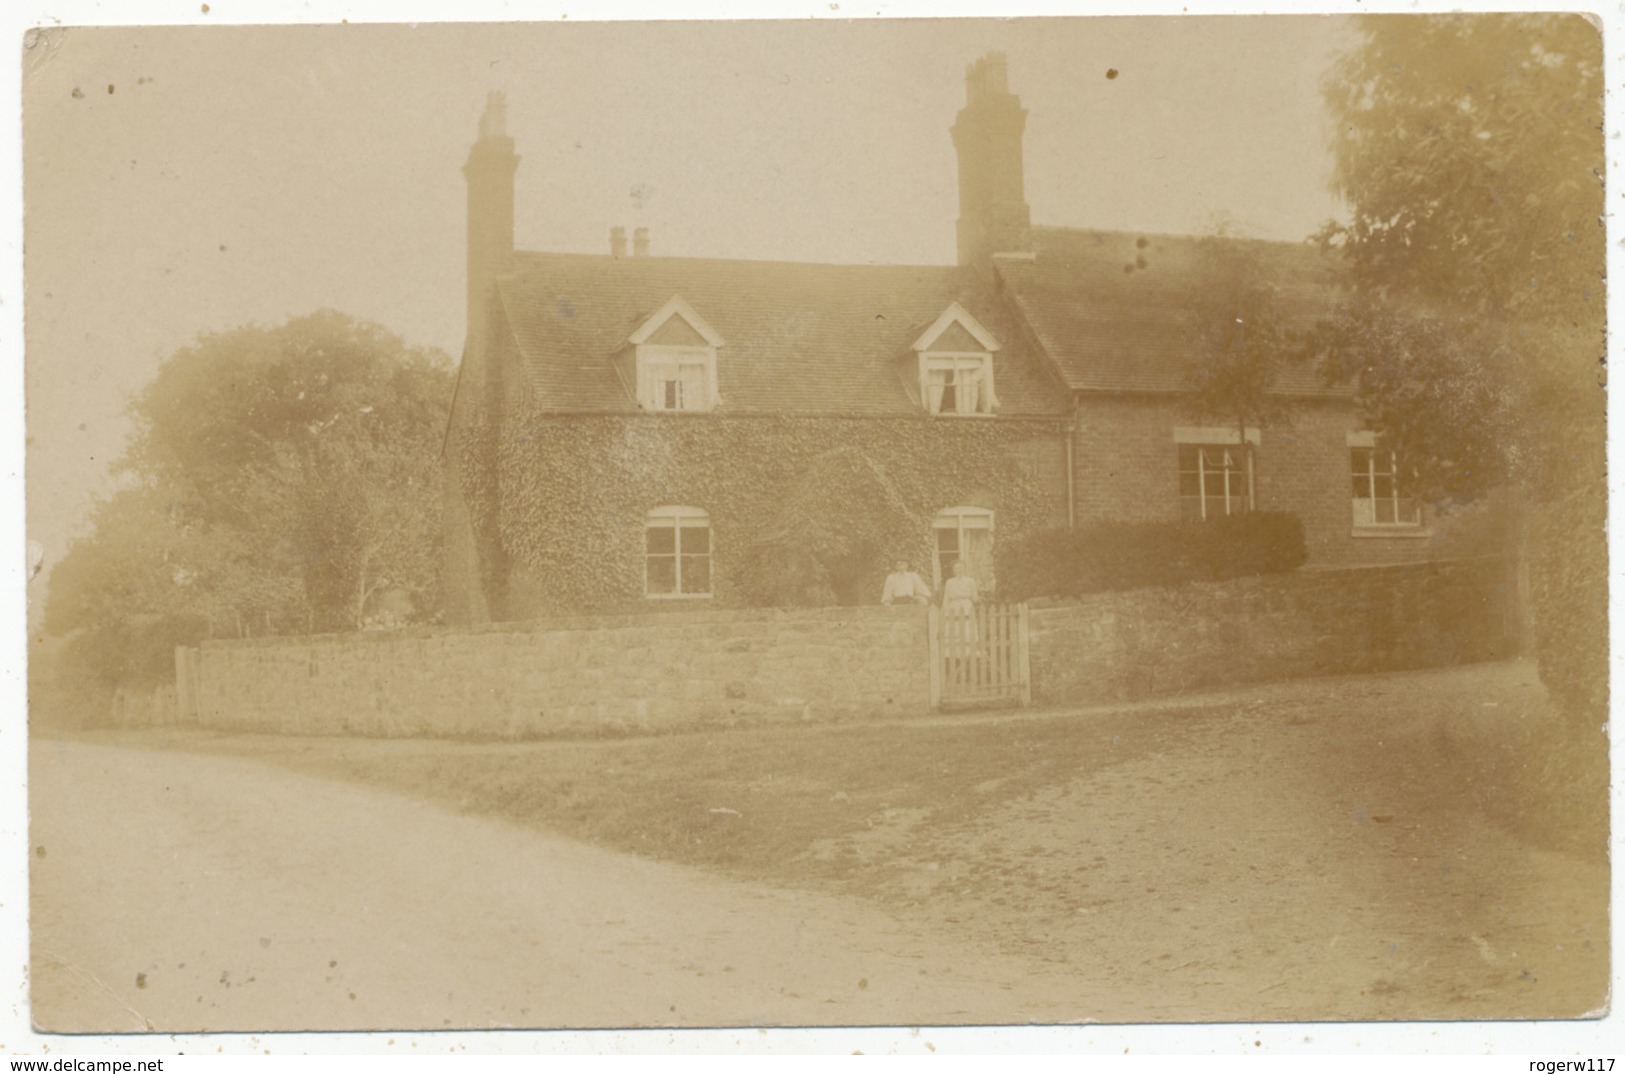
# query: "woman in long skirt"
959,599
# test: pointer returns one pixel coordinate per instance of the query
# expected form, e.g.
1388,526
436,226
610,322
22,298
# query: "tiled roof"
1112,308
798,338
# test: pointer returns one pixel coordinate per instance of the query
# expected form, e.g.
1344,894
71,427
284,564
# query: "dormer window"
676,360
675,378
956,365
958,383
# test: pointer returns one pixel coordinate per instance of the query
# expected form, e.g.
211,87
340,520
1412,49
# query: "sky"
180,180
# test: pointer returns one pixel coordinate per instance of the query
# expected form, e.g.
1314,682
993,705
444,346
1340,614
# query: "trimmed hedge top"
1105,556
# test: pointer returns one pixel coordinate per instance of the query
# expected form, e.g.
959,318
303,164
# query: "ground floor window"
1215,480
677,553
963,533
1379,495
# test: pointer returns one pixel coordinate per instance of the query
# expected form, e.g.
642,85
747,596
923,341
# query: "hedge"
1103,556
1567,557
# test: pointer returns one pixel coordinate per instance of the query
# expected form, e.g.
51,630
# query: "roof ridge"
577,256
1064,229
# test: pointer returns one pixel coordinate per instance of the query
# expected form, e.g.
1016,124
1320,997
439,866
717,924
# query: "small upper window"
958,384
956,365
676,360
675,378
677,553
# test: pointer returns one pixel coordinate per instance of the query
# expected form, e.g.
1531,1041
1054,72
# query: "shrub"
1567,557
1105,556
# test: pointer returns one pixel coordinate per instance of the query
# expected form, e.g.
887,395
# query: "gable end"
956,316
675,308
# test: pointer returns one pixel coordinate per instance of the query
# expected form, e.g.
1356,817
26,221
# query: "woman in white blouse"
959,600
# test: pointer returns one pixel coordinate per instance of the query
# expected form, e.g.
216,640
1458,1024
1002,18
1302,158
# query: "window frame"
1369,525
979,362
677,518
652,357
957,520
649,355
930,358
1202,439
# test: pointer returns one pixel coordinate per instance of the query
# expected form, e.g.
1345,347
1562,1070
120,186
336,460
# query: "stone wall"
692,669
1312,622
621,673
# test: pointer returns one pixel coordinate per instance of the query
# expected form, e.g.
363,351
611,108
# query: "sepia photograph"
830,522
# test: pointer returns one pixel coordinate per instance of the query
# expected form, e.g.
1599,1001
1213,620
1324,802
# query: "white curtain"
938,381
691,381
970,390
978,553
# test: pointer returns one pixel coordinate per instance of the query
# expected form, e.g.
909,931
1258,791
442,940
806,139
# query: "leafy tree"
1469,151
120,595
1241,343
1447,399
279,478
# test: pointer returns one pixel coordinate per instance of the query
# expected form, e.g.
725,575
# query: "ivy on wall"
803,509
827,539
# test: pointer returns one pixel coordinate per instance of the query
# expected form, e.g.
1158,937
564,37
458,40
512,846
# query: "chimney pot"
617,242
494,120
640,242
987,77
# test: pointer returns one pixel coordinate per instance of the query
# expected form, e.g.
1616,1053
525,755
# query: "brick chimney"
617,242
640,242
993,213
489,172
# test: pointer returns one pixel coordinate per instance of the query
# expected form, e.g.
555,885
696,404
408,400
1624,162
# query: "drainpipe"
1071,462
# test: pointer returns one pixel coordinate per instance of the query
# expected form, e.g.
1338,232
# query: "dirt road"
1334,849
178,892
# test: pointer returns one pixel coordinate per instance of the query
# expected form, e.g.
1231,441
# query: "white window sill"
676,596
1399,531
956,414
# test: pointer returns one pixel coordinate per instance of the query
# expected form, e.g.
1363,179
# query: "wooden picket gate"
980,658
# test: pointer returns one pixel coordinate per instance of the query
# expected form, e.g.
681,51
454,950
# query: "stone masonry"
646,673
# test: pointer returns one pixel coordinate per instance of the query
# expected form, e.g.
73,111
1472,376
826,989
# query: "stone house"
637,432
